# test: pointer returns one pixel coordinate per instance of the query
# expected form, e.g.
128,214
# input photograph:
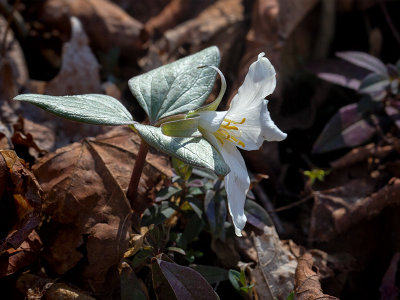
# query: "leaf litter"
86,227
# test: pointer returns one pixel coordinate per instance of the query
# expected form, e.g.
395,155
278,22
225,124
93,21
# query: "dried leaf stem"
132,192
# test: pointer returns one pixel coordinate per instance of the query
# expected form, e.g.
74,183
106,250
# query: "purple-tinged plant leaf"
363,60
256,215
347,128
215,209
172,281
392,70
374,83
339,72
394,114
398,66
342,80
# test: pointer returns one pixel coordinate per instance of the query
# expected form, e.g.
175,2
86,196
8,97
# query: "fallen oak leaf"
106,24
370,206
307,285
85,185
79,72
276,266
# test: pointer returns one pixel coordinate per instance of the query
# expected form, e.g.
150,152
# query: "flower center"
227,131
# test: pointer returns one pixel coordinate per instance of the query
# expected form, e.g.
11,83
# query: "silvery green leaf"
193,151
90,108
177,87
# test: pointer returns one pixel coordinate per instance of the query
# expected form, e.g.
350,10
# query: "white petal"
211,120
237,184
260,82
257,127
270,132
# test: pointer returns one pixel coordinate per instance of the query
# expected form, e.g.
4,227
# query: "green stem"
132,192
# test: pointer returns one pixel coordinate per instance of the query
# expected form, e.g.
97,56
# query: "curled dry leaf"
363,153
20,201
106,24
27,253
274,273
20,205
220,24
85,185
79,73
14,58
307,285
336,210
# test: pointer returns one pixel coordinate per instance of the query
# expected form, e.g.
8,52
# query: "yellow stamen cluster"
229,132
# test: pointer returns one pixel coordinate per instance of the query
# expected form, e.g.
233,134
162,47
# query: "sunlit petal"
211,120
257,127
237,184
260,82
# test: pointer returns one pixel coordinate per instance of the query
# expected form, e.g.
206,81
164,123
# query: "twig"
294,204
132,192
269,207
389,21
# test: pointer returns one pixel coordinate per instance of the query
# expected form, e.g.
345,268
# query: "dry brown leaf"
79,72
85,185
14,56
307,285
20,197
360,154
274,273
221,24
36,287
105,23
338,209
142,10
332,202
27,253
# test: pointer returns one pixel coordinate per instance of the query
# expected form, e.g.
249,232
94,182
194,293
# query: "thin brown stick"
132,192
294,204
389,21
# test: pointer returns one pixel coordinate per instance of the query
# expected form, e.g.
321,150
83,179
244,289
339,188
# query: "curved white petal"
260,82
257,127
211,120
237,184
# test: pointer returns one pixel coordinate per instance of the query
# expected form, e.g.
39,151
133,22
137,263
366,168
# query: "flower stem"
132,192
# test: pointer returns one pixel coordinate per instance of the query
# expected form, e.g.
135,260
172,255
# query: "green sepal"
182,128
195,151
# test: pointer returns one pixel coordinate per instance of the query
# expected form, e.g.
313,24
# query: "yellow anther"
234,122
219,139
241,144
229,127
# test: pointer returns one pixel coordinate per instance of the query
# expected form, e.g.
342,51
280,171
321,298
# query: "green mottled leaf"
177,87
90,108
197,152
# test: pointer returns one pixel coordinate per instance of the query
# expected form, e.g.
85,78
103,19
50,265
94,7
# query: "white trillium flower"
245,125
